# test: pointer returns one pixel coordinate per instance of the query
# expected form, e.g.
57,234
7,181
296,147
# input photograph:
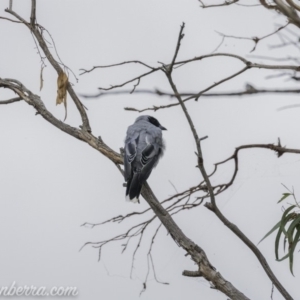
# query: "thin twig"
138,78
14,21
157,92
226,3
17,99
84,71
256,40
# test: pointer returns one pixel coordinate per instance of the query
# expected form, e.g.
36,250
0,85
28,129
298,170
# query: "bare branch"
17,99
115,65
250,90
33,13
256,40
176,207
196,97
138,244
266,5
81,134
196,253
135,231
226,3
286,41
250,5
195,134
293,4
288,11
288,107
181,35
292,58
131,80
14,21
213,206
217,48
36,32
248,65
117,219
157,92
134,87
245,61
55,49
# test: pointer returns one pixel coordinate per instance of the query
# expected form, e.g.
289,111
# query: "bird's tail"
133,189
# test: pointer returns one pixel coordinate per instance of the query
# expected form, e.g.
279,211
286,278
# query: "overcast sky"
52,183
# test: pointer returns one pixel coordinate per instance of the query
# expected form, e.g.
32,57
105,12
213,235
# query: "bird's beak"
162,128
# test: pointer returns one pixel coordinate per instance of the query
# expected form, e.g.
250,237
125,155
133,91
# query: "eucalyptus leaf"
271,231
284,196
292,227
284,257
285,218
292,249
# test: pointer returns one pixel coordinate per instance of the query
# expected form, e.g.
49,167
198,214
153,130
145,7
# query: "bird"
144,146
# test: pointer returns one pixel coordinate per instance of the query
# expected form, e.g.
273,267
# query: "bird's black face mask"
156,123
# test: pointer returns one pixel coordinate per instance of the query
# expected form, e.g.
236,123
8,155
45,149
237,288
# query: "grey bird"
144,147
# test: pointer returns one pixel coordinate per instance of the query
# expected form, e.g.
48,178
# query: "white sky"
53,183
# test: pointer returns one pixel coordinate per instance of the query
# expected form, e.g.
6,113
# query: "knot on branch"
209,206
249,64
279,149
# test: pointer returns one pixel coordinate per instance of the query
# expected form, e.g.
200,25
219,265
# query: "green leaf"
284,257
291,229
285,218
292,249
278,224
271,231
277,239
284,195
287,211
284,244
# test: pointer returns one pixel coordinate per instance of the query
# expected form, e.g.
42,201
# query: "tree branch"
17,99
226,3
33,12
266,5
84,71
293,4
14,21
248,91
213,206
288,11
81,134
36,32
256,40
197,254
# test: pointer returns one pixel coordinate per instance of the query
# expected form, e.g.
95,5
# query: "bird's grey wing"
149,155
131,142
149,161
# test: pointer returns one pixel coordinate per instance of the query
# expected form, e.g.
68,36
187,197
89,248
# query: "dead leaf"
62,83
